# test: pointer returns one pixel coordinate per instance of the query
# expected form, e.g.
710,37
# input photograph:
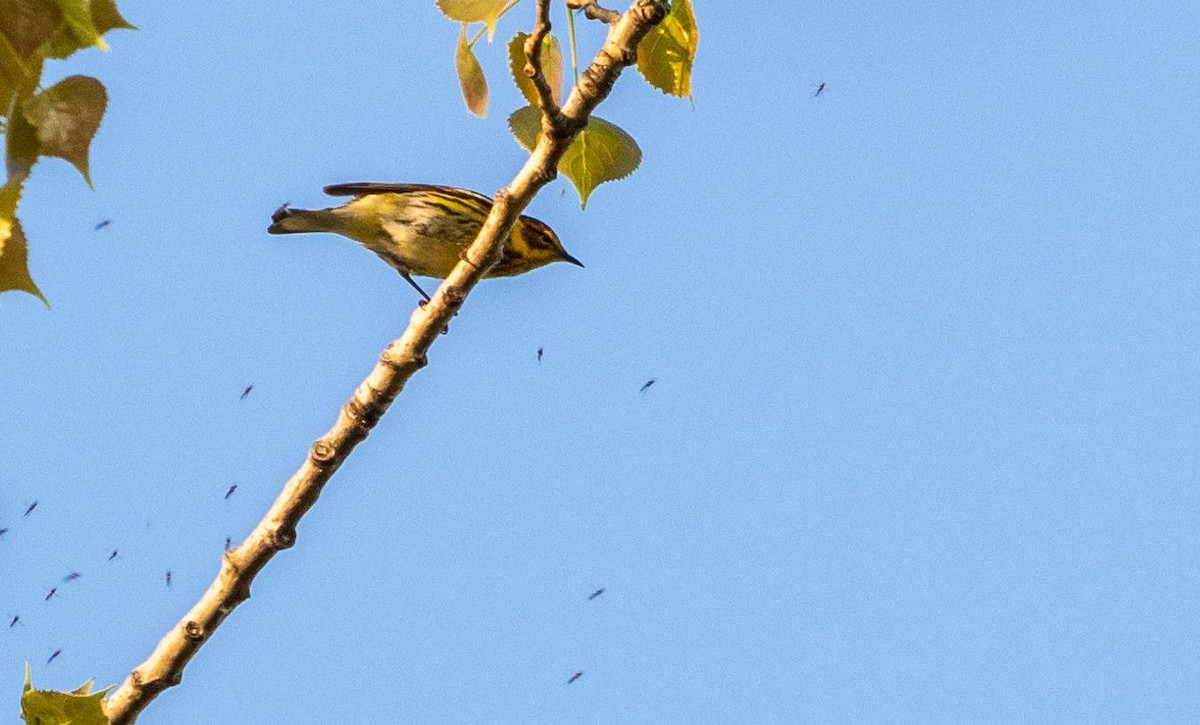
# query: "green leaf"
470,76
106,17
28,24
14,251
601,152
474,11
552,65
666,54
21,148
78,30
67,116
25,25
14,74
49,707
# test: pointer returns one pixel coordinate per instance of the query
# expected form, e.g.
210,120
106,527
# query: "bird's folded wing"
359,188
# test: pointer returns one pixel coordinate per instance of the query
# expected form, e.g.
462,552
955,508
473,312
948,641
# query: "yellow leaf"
67,116
106,17
474,11
552,65
21,150
601,152
50,707
470,76
78,30
14,260
666,54
29,24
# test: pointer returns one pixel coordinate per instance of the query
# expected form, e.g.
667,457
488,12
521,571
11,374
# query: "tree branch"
593,11
398,362
552,118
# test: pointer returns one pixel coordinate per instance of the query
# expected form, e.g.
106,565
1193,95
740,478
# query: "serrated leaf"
470,76
552,65
49,707
474,11
601,152
666,54
14,250
67,116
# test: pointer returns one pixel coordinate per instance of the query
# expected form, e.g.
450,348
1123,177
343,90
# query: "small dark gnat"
246,392
54,656
72,576
575,676
50,594
820,88
102,224
647,385
596,593
230,491
32,506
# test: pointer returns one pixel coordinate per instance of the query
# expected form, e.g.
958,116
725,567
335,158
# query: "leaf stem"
574,52
503,12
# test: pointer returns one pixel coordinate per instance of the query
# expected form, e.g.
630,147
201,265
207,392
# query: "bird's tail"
286,220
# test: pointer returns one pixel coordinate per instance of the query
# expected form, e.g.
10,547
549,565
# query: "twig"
398,362
592,10
552,117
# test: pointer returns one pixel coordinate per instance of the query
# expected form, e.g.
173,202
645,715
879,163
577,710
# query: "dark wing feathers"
359,188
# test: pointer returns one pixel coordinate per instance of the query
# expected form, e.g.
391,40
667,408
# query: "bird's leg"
422,303
408,278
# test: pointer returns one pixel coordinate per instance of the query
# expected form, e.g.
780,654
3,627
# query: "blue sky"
922,445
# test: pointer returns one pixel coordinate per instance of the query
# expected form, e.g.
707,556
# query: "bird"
54,656
72,576
246,392
29,510
541,350
230,491
422,229
102,224
575,676
596,593
647,385
819,89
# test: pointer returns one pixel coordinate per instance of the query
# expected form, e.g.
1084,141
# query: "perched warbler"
422,229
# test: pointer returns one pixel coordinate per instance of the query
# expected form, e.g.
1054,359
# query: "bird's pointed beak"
562,254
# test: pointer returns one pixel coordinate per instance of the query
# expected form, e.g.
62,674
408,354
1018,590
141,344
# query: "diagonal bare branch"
398,362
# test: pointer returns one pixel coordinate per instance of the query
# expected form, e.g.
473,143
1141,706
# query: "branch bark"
593,11
398,362
552,116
